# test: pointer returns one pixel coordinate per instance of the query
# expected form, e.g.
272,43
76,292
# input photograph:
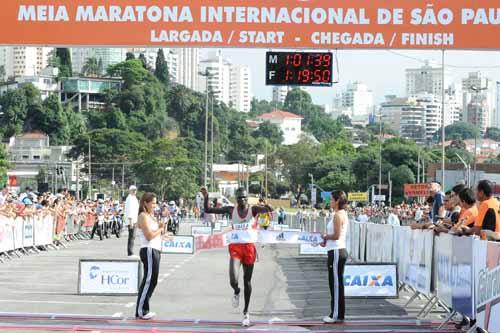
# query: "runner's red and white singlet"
246,253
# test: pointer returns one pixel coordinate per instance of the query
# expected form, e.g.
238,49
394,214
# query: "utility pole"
90,173
390,189
57,176
113,182
265,174
443,155
248,177
380,156
77,180
123,180
212,146
206,74
239,175
418,167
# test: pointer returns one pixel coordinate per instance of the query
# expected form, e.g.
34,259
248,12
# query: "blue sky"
382,70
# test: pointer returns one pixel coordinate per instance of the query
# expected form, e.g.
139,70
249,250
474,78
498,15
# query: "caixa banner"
108,277
178,244
371,280
319,24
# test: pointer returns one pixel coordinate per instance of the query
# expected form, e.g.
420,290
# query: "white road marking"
56,302
129,305
117,315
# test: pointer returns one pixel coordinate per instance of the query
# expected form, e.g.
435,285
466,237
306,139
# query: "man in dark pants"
131,214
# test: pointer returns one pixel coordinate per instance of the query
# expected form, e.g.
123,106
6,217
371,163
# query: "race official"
131,214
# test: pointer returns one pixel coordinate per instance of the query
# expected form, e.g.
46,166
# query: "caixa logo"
368,281
94,271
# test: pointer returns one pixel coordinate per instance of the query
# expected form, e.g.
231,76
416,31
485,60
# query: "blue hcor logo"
94,270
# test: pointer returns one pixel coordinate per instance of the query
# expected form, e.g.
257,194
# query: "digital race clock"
299,68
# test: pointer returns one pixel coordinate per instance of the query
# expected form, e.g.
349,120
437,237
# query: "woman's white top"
155,243
330,230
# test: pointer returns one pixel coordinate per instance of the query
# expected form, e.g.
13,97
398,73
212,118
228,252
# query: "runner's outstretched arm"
213,210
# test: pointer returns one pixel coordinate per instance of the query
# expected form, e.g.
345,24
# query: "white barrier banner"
419,265
355,234
272,237
371,280
402,236
379,240
362,241
48,233
6,234
28,229
217,227
224,223
178,244
309,249
200,231
281,227
443,254
18,232
108,277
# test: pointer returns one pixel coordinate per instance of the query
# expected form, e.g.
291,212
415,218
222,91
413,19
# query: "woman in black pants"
335,242
150,235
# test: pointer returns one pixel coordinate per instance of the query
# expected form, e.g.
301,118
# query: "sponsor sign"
195,230
205,242
178,244
280,227
371,280
417,190
224,223
28,231
320,24
379,197
108,277
487,275
358,196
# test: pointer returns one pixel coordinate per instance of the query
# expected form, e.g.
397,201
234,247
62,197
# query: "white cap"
132,188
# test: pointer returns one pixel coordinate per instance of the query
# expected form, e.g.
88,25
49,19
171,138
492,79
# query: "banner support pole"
447,319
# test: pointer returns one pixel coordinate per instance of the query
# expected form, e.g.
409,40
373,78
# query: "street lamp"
467,169
380,155
207,75
212,179
478,110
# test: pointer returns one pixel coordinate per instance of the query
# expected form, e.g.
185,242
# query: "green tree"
493,133
91,67
63,56
167,170
144,61
459,131
259,107
4,165
344,120
270,132
129,56
374,129
161,70
400,175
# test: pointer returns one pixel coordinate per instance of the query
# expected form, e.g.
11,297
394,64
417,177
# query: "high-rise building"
356,101
426,79
391,111
496,118
479,97
433,114
188,61
218,79
106,56
280,93
24,61
241,88
453,104
412,124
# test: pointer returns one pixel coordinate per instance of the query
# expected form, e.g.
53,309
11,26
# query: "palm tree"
91,67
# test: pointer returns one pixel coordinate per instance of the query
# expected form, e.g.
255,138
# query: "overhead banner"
319,24
358,196
417,190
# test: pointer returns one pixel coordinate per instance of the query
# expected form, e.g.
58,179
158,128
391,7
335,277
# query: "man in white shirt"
131,214
4,193
393,218
363,218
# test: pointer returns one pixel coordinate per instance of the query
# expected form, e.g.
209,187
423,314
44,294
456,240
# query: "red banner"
317,24
417,190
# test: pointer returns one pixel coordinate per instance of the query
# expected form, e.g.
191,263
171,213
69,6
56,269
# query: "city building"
433,114
391,111
87,93
413,121
229,177
280,93
289,123
46,82
23,61
427,79
218,70
187,67
241,88
479,100
30,153
356,101
453,104
104,56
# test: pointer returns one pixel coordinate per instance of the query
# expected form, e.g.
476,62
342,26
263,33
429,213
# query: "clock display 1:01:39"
302,64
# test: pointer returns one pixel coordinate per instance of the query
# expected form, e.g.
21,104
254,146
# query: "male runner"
243,217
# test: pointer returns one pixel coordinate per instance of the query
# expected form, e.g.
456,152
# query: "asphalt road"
193,292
